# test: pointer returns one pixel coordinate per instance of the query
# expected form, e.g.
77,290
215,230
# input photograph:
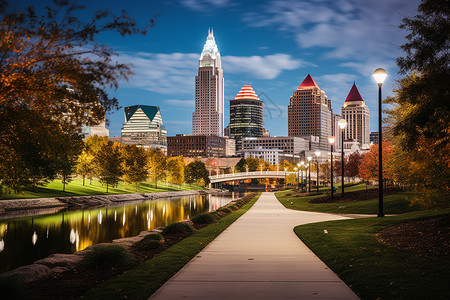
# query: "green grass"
372,269
76,188
393,204
145,279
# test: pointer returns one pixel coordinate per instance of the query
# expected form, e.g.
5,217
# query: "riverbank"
75,202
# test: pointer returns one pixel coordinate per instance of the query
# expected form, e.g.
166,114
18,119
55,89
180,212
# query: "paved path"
259,257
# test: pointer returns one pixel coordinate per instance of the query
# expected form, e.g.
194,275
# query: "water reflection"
72,231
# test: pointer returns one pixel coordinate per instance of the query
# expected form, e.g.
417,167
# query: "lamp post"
302,164
342,124
309,173
285,169
331,140
379,75
317,153
261,168
295,169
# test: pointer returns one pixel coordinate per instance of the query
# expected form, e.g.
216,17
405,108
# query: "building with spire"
310,114
207,118
246,116
357,115
144,127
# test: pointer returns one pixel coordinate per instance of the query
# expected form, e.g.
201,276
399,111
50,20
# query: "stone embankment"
91,201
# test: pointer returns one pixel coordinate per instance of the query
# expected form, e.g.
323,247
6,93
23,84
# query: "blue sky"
270,44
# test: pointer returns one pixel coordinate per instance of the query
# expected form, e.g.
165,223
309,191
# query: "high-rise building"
309,113
246,116
207,119
98,130
336,131
144,127
197,146
356,113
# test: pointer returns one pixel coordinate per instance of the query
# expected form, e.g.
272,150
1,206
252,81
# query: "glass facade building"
246,116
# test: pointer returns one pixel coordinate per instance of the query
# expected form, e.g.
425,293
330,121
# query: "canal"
25,240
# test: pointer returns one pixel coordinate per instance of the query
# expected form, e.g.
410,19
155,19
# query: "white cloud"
205,5
181,103
262,67
174,73
345,29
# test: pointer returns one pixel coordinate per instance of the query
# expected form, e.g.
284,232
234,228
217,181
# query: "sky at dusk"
271,45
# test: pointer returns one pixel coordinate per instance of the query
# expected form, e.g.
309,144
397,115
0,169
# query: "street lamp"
295,169
331,140
298,174
302,164
317,153
285,169
309,158
261,168
379,75
342,124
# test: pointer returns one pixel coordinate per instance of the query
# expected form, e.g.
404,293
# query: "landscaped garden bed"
93,272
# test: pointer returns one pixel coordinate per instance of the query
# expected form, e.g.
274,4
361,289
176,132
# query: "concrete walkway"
259,257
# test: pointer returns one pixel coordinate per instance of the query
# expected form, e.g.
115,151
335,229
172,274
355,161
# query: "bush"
180,227
233,207
206,218
154,237
224,209
105,256
148,244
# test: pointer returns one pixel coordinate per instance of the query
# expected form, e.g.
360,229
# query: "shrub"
154,237
224,209
233,207
148,245
105,256
206,218
180,227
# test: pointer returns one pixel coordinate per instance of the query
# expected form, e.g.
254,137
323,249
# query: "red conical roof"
354,94
246,92
308,82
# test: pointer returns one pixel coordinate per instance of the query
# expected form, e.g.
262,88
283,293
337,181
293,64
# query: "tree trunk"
84,176
106,187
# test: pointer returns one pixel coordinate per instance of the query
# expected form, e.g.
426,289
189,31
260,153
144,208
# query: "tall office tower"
309,113
144,127
356,113
336,131
207,119
246,116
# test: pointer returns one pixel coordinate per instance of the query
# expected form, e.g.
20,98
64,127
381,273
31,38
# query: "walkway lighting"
342,124
317,153
331,140
380,75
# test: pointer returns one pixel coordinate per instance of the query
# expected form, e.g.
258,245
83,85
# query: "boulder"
69,261
29,273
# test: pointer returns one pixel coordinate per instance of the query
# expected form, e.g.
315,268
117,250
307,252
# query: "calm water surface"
25,240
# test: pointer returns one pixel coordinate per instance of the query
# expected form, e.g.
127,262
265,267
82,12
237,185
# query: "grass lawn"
76,188
393,204
375,270
145,279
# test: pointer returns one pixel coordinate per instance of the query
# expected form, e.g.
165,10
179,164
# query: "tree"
241,165
369,165
69,147
85,166
92,146
196,170
253,164
135,167
109,164
175,169
325,171
352,165
421,106
157,165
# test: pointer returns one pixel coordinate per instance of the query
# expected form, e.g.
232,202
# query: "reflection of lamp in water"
2,245
100,217
47,232
123,222
77,239
115,215
135,210
164,210
72,236
34,238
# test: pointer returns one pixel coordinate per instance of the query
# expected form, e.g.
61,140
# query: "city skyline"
271,45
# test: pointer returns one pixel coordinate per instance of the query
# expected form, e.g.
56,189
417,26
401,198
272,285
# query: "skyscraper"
246,116
357,115
309,113
144,127
207,118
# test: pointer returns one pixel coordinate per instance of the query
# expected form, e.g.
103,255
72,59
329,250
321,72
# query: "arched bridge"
256,175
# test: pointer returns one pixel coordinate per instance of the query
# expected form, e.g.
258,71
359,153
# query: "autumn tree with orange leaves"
368,170
53,73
